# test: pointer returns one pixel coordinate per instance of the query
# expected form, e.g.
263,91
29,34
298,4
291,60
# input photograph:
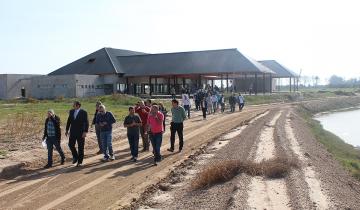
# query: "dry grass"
226,170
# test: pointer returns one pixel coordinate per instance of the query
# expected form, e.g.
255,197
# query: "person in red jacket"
143,112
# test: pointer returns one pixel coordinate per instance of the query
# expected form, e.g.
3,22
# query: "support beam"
169,88
212,84
227,83
127,86
246,84
222,85
256,84
264,80
150,88
270,90
290,84
156,86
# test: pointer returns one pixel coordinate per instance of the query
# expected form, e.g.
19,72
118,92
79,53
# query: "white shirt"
241,99
76,112
185,99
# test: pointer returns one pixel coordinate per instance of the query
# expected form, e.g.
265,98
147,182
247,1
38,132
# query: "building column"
212,84
156,86
150,91
175,83
256,84
127,86
246,83
169,86
270,90
222,85
227,83
290,84
183,82
264,87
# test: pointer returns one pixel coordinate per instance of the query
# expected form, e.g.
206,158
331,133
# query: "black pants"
77,155
187,108
176,127
204,110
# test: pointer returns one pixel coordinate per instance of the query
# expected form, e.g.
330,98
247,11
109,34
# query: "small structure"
15,85
281,72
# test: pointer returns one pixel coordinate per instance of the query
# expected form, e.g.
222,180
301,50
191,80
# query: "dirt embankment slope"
318,182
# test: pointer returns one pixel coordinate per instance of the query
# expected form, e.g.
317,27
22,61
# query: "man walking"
143,112
232,102
97,128
52,134
241,101
185,99
155,128
78,124
133,123
222,102
177,126
105,120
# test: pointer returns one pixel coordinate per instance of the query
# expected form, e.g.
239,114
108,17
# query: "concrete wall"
68,86
11,85
3,88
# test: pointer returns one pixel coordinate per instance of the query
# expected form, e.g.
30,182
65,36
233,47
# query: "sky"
319,37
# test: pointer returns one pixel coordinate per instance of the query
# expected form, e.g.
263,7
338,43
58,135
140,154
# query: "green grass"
346,154
2,152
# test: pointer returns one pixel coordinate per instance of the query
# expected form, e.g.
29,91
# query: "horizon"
39,37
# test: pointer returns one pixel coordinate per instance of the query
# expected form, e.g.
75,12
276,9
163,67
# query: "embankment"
346,154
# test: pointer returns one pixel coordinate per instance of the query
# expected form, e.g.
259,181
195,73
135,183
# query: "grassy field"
346,154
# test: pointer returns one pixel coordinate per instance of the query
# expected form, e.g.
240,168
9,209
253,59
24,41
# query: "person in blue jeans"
104,120
52,134
133,122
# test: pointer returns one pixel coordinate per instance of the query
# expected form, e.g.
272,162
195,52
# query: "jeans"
222,107
187,108
144,137
134,144
78,156
214,106
156,140
232,107
97,130
106,138
176,127
241,106
51,141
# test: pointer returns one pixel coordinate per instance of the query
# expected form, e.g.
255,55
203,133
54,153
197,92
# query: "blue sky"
320,37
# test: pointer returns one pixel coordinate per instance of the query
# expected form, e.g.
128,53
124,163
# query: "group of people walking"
145,119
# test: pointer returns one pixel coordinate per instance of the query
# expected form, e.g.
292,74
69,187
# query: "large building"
110,70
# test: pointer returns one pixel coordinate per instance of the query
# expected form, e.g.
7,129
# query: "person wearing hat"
52,134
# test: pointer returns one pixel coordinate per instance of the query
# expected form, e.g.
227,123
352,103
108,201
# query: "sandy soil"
318,183
115,184
257,133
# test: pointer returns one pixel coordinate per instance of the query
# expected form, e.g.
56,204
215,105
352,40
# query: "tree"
336,81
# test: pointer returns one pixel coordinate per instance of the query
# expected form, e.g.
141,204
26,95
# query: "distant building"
15,85
110,70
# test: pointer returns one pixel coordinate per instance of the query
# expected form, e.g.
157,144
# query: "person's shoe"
75,161
180,150
112,157
47,166
134,160
105,159
99,152
62,162
155,163
79,165
170,150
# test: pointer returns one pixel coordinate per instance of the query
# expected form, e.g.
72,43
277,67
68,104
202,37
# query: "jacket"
56,121
79,125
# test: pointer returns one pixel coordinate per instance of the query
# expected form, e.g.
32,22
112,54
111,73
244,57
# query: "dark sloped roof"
196,62
280,70
99,62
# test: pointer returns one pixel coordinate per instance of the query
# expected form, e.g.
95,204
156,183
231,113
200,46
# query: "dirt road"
318,182
115,184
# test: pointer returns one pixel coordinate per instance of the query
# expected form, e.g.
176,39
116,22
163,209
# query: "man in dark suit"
78,124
